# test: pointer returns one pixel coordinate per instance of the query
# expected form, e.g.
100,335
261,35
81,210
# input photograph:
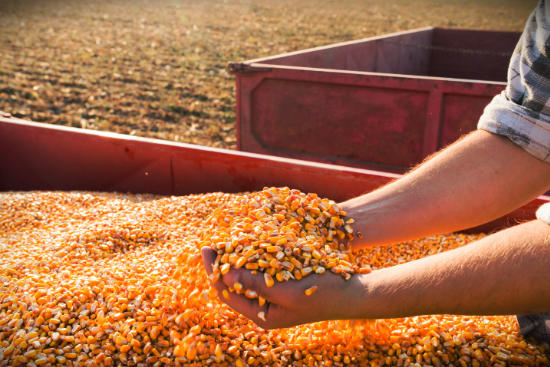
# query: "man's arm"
477,179
505,273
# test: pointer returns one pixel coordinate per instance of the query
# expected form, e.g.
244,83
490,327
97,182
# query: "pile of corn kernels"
283,233
111,279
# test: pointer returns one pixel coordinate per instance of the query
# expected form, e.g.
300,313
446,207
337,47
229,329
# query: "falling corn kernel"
224,269
261,315
268,280
249,293
238,287
311,290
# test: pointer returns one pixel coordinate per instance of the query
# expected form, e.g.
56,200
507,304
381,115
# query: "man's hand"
475,180
287,305
501,274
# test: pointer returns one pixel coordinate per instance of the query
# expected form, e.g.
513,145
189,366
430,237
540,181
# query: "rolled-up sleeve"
522,111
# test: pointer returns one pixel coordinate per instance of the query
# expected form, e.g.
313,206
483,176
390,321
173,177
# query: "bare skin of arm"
480,178
473,181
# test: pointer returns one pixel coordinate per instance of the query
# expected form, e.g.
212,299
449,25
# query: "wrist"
364,233
357,297
374,297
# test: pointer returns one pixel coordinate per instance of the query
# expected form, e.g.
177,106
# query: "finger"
247,279
255,282
273,316
283,293
245,306
277,317
248,307
208,258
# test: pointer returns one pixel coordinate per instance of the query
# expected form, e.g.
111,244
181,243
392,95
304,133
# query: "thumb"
208,258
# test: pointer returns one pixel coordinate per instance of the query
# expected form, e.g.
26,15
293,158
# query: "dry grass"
157,68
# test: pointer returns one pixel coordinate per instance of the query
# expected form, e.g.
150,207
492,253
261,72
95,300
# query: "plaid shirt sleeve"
522,111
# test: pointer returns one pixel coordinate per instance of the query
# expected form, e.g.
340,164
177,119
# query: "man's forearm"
477,179
505,273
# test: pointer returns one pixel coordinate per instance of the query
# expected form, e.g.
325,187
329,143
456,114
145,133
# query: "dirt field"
157,68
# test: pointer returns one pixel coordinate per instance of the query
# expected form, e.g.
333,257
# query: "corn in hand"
284,233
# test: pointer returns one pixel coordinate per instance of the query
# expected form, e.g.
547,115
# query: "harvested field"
157,68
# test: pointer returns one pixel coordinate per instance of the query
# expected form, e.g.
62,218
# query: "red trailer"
48,157
381,103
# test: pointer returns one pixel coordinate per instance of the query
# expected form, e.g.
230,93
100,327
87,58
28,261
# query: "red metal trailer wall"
382,103
46,157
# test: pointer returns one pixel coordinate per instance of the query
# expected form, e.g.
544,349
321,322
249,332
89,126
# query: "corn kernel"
249,293
310,290
224,269
268,280
238,287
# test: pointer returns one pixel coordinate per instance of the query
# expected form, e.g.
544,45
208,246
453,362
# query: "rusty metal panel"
380,103
46,157
400,53
348,108
471,54
459,115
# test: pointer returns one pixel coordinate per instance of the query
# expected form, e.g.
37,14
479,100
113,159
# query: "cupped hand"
287,305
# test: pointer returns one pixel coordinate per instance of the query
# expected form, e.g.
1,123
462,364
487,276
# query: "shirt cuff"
527,129
543,213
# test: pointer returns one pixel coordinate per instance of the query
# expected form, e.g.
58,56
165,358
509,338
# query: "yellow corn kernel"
191,353
224,269
180,350
240,262
310,290
249,293
365,270
268,280
261,301
225,294
273,249
218,352
238,287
